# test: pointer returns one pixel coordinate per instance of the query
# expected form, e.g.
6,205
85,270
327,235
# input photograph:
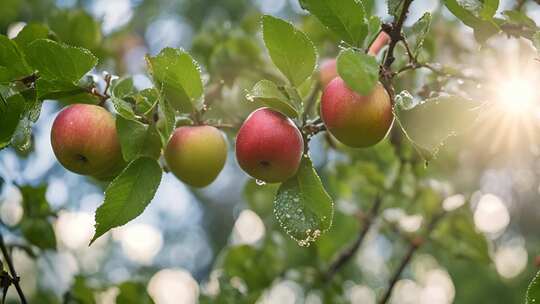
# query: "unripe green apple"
356,120
269,146
196,154
327,71
84,140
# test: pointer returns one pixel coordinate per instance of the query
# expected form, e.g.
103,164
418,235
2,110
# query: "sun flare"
511,120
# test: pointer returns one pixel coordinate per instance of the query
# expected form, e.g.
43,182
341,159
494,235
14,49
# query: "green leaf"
178,76
133,292
146,100
533,292
11,112
138,139
290,49
128,194
431,123
76,27
12,62
346,18
457,236
474,15
166,120
59,62
421,29
122,87
359,71
395,7
30,33
123,108
57,89
488,8
38,232
519,18
269,93
302,206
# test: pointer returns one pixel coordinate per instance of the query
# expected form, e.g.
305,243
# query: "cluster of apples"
269,146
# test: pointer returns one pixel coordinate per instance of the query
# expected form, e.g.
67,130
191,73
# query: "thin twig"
348,253
15,278
311,101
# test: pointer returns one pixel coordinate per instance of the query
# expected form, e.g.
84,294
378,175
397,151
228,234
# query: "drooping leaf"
269,93
128,194
138,139
431,123
359,70
12,63
346,18
59,62
302,206
290,49
76,27
178,76
533,292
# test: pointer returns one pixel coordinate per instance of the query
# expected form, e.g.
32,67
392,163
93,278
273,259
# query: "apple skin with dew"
355,120
84,141
196,154
269,146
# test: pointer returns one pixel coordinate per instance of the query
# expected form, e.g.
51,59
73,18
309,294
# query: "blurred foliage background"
221,244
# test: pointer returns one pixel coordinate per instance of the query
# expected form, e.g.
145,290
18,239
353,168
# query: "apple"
327,71
381,40
356,120
196,154
84,141
269,146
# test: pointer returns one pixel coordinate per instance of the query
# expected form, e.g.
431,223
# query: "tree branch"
14,277
393,30
348,253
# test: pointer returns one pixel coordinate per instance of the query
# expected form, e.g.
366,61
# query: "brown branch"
348,253
394,30
414,245
14,277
